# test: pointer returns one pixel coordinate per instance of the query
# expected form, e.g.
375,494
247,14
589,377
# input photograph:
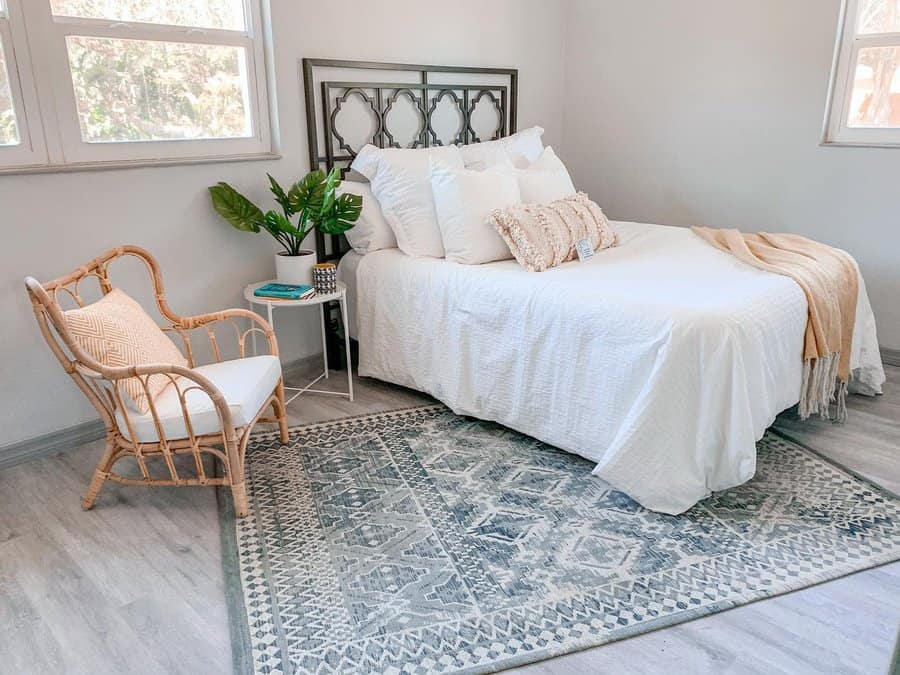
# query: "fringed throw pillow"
541,236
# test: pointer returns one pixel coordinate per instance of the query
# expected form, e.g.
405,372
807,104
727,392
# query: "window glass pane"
878,16
875,100
9,131
139,90
227,14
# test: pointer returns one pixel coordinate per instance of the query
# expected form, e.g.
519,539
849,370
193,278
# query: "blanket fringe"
821,388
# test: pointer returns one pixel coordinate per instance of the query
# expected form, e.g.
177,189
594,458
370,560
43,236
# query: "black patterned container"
325,278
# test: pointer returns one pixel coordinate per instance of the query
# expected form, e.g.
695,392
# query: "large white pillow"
464,200
371,232
522,148
399,180
545,180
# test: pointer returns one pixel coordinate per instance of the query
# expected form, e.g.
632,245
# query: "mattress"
346,272
662,360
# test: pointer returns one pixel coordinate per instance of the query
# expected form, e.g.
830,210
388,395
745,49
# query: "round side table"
320,299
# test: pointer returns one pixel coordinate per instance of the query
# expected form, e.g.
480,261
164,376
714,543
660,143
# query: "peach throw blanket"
829,279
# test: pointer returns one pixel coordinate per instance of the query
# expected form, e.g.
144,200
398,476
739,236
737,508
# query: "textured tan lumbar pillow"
116,331
542,236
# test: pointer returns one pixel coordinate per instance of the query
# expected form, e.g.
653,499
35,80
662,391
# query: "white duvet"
664,360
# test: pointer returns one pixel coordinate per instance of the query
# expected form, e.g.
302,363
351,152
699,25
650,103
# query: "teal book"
284,291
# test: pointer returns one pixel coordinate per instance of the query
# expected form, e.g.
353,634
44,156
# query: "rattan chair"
200,417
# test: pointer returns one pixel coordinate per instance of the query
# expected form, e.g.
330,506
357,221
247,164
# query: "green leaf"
331,183
276,222
236,208
280,196
307,194
342,216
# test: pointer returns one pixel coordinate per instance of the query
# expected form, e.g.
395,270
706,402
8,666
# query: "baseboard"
69,438
890,357
63,440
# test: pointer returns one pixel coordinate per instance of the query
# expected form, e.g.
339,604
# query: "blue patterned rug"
420,541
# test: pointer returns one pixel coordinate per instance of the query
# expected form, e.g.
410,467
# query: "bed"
663,360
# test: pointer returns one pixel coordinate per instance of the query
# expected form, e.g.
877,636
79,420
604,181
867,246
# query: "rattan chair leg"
239,495
101,473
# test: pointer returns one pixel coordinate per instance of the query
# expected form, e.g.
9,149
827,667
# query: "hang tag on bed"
585,249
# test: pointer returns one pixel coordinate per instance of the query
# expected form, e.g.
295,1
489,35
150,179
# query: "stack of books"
285,291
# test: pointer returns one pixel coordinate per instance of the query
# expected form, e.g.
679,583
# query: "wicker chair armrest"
257,325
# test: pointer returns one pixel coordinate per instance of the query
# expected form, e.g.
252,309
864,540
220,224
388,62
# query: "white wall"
51,223
709,112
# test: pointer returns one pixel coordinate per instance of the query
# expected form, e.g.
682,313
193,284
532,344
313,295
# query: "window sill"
858,144
136,164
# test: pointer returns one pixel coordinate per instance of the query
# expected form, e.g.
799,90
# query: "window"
18,147
864,98
131,80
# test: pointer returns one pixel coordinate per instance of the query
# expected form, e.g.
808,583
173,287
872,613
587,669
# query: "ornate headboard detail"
444,105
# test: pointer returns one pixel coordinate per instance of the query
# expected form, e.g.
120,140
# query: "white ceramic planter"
295,269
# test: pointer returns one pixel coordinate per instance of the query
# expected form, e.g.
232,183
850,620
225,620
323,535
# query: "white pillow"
546,180
371,232
521,149
399,180
464,200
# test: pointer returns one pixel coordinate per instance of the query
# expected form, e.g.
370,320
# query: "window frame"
835,130
31,149
56,107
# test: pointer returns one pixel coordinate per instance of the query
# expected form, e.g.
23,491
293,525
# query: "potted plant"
312,199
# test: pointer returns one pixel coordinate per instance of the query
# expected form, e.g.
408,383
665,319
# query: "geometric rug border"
838,465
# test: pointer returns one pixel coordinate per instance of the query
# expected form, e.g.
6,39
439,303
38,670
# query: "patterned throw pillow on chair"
116,331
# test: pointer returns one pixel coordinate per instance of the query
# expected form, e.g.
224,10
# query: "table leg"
253,333
347,345
324,341
271,316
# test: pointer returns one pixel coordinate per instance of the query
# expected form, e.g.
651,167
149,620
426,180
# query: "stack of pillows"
474,204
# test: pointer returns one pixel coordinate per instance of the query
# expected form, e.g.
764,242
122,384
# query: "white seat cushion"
246,384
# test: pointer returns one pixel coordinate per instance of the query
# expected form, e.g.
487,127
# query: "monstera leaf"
306,195
236,208
342,215
280,196
277,224
332,181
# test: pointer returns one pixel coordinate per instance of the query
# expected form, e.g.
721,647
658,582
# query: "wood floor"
135,586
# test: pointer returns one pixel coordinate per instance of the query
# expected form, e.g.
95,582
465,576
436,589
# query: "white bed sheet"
346,272
663,360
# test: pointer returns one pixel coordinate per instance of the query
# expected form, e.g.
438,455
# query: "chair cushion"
116,331
246,384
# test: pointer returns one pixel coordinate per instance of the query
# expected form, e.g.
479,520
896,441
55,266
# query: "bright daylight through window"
133,80
9,130
864,105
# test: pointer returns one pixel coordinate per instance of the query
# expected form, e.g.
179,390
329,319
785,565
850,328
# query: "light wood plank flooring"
136,584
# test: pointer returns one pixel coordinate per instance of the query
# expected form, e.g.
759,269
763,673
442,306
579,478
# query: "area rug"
421,541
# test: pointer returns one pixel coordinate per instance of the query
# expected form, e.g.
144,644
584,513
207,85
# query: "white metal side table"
320,299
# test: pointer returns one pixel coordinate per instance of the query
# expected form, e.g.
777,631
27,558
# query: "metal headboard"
433,86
